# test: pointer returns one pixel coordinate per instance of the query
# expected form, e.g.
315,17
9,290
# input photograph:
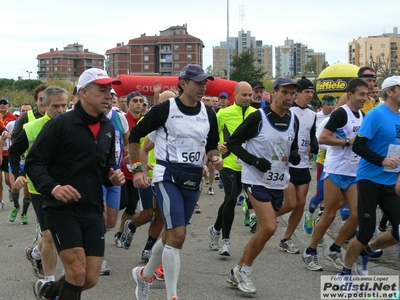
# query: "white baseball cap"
98,76
390,81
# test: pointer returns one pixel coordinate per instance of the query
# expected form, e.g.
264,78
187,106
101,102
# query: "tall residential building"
373,51
244,42
68,63
291,58
164,54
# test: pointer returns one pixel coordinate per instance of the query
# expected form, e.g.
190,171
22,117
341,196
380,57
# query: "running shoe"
24,220
126,236
245,284
220,184
253,224
216,175
13,214
231,279
104,268
288,246
361,265
142,286
207,180
225,247
344,283
36,263
38,288
159,273
146,254
1,205
117,241
334,257
214,238
38,235
321,210
376,254
308,223
311,261
240,199
246,220
197,209
210,191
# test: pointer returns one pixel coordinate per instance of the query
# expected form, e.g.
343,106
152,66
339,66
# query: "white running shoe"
311,261
214,238
334,257
225,247
244,282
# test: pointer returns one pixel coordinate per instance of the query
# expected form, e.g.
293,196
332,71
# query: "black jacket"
66,153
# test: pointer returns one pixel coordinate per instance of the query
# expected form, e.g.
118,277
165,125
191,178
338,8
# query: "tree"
384,66
243,69
311,66
209,70
325,64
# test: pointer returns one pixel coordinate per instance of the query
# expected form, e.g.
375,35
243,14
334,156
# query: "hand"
261,164
391,162
66,193
141,180
5,135
222,148
20,182
205,170
126,157
157,87
116,177
218,162
294,158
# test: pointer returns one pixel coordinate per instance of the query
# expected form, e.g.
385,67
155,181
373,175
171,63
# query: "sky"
29,28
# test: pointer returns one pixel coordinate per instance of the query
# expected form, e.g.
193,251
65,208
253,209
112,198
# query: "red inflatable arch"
144,85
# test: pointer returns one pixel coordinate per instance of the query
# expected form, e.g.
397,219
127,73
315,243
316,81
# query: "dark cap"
285,80
194,72
3,99
223,94
257,84
304,84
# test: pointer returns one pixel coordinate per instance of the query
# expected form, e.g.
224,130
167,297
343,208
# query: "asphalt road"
277,275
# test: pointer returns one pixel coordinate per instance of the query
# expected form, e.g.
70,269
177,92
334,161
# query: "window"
189,47
146,58
69,69
47,61
100,62
56,61
55,69
145,49
146,67
176,56
189,57
382,45
47,69
176,47
370,46
176,66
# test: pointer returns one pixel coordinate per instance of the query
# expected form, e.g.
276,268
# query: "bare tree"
384,65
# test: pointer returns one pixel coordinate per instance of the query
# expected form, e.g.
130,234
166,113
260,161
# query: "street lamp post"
29,74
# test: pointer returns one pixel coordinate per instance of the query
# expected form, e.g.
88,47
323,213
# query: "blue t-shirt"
381,127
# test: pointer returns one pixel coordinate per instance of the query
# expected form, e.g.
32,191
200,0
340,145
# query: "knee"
300,203
90,283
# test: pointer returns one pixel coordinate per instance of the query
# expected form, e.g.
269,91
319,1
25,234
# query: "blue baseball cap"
194,72
223,94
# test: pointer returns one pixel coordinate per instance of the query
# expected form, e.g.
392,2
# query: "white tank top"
182,139
341,160
274,145
306,121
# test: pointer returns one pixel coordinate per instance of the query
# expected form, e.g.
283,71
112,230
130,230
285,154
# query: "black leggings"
232,181
370,195
129,197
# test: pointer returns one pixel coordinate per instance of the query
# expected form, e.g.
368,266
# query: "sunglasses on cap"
4,102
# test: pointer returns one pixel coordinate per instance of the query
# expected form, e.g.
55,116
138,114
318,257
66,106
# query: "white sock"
50,278
36,254
155,259
172,266
309,215
253,215
246,269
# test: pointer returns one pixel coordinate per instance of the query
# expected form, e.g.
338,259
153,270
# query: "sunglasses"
137,100
3,102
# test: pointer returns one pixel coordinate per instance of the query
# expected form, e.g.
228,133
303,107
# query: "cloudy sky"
29,28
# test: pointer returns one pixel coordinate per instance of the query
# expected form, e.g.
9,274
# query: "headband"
367,76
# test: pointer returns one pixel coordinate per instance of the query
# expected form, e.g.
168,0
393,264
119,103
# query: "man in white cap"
378,144
72,180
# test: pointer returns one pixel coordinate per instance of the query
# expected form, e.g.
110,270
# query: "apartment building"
164,54
68,63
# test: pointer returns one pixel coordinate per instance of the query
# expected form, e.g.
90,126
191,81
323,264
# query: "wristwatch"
347,142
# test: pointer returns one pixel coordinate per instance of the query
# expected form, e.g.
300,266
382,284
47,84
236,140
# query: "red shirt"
132,121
